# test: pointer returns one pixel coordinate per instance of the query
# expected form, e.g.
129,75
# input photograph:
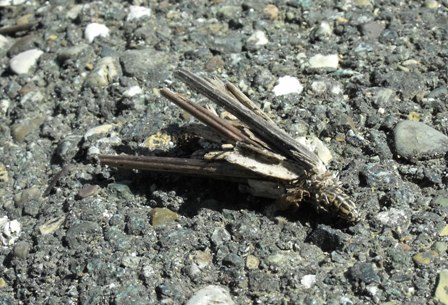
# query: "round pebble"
270,12
415,140
94,30
23,62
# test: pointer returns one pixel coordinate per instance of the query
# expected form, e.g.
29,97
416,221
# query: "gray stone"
363,272
227,45
146,65
220,236
81,234
372,29
380,175
416,141
71,52
21,249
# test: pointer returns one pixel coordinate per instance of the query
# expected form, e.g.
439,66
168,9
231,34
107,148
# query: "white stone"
102,129
211,294
133,91
4,105
137,12
324,61
9,231
286,85
22,62
258,38
324,29
4,3
308,281
94,30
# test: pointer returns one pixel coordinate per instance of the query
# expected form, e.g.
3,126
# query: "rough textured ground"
91,235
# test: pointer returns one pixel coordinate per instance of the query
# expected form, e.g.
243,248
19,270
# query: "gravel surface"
369,78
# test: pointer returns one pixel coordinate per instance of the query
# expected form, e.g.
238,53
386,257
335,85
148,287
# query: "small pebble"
324,61
22,129
5,3
160,141
71,52
161,216
327,238
137,12
229,11
362,3
146,64
94,30
102,129
4,106
270,12
308,280
106,71
286,85
252,262
380,175
133,91
323,30
318,87
9,231
444,231
363,272
415,140
431,4
441,294
211,294
52,225
3,283
393,218
88,190
318,147
23,62
203,258
4,176
220,236
372,29
215,63
425,258
256,40
21,249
